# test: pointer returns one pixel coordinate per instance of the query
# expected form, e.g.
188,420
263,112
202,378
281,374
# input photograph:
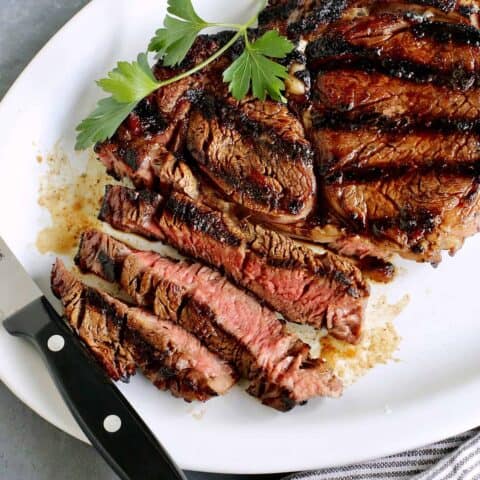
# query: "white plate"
432,392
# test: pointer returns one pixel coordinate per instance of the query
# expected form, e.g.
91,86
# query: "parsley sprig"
130,82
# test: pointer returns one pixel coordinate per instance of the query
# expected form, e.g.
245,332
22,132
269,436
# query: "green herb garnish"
129,83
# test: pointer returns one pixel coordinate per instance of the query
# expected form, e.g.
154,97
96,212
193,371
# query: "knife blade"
107,419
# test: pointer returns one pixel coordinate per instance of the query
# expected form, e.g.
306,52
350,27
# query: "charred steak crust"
296,18
227,320
123,338
317,289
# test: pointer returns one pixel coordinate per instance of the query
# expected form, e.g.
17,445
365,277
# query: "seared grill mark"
151,120
203,221
235,117
350,99
276,13
328,12
374,174
129,156
406,125
318,289
346,155
443,32
416,224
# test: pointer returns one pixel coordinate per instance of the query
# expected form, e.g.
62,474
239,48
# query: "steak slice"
123,337
322,290
256,153
419,50
229,321
354,99
98,321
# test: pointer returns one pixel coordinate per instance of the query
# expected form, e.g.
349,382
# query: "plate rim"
462,422
3,102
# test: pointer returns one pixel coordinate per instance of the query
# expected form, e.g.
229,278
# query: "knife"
103,413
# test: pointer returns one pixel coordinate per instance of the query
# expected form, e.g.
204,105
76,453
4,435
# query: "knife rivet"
112,423
56,343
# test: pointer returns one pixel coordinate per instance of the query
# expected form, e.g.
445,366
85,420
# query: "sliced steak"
98,321
256,153
227,320
322,290
402,46
122,338
354,99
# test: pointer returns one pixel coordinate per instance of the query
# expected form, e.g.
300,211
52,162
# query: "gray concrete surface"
30,448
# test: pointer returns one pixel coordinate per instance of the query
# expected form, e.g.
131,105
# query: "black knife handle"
132,450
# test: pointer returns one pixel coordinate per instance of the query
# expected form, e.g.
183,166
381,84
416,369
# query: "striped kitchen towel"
457,458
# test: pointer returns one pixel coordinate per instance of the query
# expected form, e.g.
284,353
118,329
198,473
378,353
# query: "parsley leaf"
272,44
253,69
174,40
103,122
239,76
130,82
184,9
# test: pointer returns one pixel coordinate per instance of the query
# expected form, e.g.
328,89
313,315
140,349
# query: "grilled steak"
229,321
255,153
394,122
420,211
122,338
322,290
388,95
